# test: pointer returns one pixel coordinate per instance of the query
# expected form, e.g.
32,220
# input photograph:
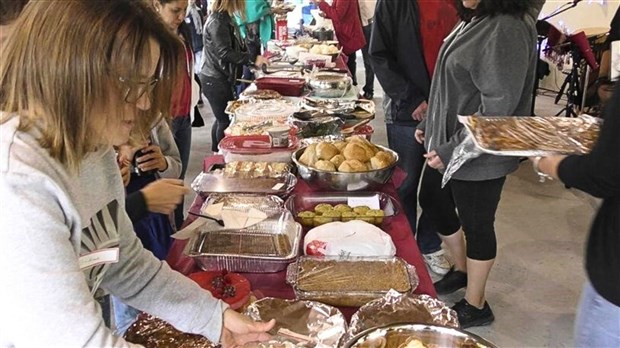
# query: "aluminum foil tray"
533,136
270,205
399,335
352,281
207,183
266,247
312,324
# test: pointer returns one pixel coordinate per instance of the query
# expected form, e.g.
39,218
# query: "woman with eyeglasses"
225,53
172,13
71,90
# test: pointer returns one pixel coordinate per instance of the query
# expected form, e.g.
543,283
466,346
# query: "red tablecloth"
274,284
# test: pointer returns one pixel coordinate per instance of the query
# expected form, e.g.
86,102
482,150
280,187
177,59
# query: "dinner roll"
352,166
325,165
355,151
337,160
326,151
309,156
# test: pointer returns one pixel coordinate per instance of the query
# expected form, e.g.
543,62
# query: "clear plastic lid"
255,144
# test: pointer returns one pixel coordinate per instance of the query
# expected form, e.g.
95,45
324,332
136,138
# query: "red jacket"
347,23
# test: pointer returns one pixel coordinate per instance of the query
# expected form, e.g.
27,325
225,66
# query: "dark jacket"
397,57
224,51
599,175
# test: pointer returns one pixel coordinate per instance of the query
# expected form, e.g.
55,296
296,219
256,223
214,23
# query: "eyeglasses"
134,89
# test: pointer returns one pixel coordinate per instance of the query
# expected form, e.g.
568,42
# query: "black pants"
218,93
370,73
351,64
476,203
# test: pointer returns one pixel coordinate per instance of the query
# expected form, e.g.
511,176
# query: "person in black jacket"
598,173
403,62
224,54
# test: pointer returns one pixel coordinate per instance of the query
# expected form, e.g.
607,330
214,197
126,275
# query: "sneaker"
452,281
472,316
437,262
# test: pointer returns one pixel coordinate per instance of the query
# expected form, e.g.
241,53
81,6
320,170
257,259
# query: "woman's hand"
124,165
419,136
260,60
152,159
239,330
433,160
547,165
163,195
420,112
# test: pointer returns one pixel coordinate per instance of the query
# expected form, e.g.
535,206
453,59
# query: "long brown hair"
230,6
65,58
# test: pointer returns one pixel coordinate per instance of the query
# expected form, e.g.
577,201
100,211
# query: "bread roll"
370,148
326,151
386,156
325,165
379,163
352,166
337,160
355,151
340,145
309,156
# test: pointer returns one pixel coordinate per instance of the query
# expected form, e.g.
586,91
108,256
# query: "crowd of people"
95,141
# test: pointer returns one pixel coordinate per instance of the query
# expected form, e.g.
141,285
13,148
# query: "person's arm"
165,140
500,74
335,12
404,93
220,34
136,207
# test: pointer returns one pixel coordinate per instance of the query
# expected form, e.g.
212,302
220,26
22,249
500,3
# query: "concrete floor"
535,284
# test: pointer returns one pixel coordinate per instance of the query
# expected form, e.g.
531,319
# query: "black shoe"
367,96
471,316
452,281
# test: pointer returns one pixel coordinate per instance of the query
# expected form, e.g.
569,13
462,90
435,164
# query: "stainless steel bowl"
339,181
434,335
330,85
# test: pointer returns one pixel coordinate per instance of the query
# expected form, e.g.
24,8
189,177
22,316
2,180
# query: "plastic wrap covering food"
523,137
275,109
417,336
152,332
253,170
533,136
268,246
217,182
315,124
327,138
346,108
233,105
395,308
352,281
260,94
299,323
243,128
371,207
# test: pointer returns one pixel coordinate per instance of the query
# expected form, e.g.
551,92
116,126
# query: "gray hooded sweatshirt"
485,67
59,237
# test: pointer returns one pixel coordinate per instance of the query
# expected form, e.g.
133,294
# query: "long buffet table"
274,284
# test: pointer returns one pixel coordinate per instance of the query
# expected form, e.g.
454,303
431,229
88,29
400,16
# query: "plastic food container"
279,136
291,87
307,202
265,110
350,281
266,247
257,148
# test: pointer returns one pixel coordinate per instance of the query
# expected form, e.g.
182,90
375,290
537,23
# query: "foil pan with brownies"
350,281
533,136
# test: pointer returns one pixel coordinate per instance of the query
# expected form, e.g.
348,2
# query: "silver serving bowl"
433,335
330,85
339,181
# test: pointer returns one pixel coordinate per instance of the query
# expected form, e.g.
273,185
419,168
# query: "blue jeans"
401,139
124,315
598,321
182,131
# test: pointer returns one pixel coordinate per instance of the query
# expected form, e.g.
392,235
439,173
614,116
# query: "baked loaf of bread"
354,155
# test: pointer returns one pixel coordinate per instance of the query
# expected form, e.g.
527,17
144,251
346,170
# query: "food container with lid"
257,148
265,110
291,87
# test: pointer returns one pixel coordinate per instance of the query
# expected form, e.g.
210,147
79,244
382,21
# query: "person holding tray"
486,66
71,90
598,174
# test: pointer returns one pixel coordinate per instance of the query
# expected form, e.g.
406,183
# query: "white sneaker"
437,262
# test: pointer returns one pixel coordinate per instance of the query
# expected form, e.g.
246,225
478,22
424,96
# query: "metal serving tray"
266,247
270,205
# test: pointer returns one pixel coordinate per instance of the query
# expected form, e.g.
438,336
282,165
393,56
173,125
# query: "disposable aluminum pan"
338,181
397,335
299,323
266,247
207,183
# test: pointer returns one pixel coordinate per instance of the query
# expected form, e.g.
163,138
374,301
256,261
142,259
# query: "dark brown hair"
517,8
10,10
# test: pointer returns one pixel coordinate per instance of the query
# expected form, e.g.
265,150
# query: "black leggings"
476,203
218,93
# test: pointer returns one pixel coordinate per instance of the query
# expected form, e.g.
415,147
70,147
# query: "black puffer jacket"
224,51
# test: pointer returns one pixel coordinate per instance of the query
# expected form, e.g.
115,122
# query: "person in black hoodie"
404,44
598,174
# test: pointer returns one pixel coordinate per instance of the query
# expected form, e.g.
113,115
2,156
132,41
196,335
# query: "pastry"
323,207
325,166
337,160
309,157
326,151
379,163
352,166
306,217
342,208
377,216
348,216
340,145
362,209
355,151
